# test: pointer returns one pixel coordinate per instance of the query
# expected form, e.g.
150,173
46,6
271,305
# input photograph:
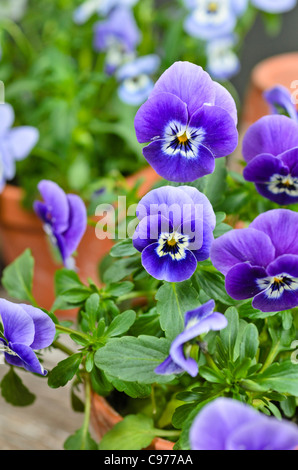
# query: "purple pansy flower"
270,147
175,231
15,143
189,121
228,424
135,81
101,7
261,261
274,6
212,19
64,217
280,99
197,322
118,36
25,329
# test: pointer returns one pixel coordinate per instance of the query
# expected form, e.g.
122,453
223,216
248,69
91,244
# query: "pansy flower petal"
18,325
179,167
77,223
220,132
239,246
189,82
149,229
168,367
28,357
57,204
6,118
44,327
241,281
224,100
280,225
21,141
272,134
167,269
156,114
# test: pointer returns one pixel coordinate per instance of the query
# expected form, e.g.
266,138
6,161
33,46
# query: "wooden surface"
47,423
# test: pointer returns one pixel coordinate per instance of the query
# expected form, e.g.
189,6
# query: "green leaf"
121,269
132,389
210,375
120,288
64,371
123,248
134,432
216,183
173,301
229,334
213,284
14,391
121,324
282,378
250,341
134,359
17,278
80,440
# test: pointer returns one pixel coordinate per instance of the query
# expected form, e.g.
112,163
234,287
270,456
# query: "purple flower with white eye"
261,261
64,217
280,101
135,81
118,36
274,6
188,120
211,19
25,329
228,424
175,231
197,322
101,7
270,147
16,143
222,62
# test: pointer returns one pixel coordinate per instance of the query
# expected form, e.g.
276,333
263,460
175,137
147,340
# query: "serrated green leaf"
64,371
134,359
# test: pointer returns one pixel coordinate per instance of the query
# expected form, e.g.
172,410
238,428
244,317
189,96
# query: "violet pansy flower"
118,36
228,424
135,79
25,329
274,6
188,120
175,232
198,321
101,7
16,143
270,147
212,19
280,100
64,217
261,261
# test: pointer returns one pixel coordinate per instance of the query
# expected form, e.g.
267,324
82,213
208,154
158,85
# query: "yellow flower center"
183,138
212,7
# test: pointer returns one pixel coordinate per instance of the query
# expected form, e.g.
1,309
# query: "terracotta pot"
21,229
104,418
277,70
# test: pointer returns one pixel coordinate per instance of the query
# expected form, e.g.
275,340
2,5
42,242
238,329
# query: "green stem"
166,433
271,356
63,348
135,295
211,362
85,427
64,329
177,302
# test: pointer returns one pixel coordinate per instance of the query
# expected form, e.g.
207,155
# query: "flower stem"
85,427
64,329
271,356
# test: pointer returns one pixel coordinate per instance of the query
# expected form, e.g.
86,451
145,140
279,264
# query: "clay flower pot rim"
280,69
